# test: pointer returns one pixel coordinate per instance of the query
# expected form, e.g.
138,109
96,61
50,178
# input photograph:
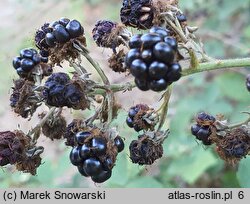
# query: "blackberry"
61,91
248,82
203,129
109,34
55,40
102,176
27,61
75,157
152,60
205,119
74,28
138,14
119,143
141,117
94,152
92,166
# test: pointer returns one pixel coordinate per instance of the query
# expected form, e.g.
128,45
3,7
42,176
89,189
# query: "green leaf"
46,174
123,172
144,182
243,173
192,165
229,180
232,85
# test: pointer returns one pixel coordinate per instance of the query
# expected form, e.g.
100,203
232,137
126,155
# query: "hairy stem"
164,107
217,64
37,128
97,67
242,123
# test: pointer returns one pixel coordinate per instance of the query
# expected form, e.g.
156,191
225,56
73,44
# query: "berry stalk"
97,67
164,107
37,128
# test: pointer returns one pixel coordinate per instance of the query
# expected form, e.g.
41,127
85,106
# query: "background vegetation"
225,30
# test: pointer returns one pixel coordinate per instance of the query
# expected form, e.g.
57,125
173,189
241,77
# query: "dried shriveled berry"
116,61
138,14
31,161
55,127
13,146
234,146
109,34
72,129
23,100
145,151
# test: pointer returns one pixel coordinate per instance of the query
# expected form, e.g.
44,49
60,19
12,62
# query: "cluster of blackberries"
91,155
137,13
151,60
58,32
27,60
141,117
248,82
59,91
202,129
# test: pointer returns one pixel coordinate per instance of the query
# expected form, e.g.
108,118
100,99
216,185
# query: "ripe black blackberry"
151,60
61,91
56,39
27,61
203,128
141,117
95,153
248,82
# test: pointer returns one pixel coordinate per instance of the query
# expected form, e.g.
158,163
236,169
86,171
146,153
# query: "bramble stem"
202,67
242,123
217,64
97,67
40,124
164,107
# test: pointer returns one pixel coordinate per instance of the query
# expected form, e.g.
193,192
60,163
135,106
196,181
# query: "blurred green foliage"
186,163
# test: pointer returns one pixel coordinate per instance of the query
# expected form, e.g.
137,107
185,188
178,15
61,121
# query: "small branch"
164,107
176,29
217,64
79,68
114,87
242,123
40,124
97,67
